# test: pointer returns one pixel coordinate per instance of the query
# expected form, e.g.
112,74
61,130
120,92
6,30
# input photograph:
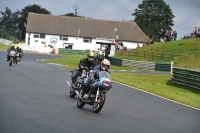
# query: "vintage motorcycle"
12,56
97,91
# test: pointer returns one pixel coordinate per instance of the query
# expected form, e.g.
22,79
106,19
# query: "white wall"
131,45
78,43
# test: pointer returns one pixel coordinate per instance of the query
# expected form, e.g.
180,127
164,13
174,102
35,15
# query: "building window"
87,40
42,36
36,35
64,38
39,35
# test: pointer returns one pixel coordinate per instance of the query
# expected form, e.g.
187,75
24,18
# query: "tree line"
152,16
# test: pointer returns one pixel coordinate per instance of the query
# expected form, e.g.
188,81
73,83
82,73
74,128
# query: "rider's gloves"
82,67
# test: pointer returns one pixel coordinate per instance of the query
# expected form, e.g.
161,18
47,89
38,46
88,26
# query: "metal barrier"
149,54
5,42
186,77
150,66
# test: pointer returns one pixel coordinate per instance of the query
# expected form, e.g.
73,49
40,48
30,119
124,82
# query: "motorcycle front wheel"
97,106
11,61
15,60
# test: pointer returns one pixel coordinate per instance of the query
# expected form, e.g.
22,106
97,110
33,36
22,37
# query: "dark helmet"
101,57
90,56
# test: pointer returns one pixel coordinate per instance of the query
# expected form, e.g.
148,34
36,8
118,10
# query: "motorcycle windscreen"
104,82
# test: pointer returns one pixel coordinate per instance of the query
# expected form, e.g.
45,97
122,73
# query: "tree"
24,15
75,14
8,24
153,17
9,19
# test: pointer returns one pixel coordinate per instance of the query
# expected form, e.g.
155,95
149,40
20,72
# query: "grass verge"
4,47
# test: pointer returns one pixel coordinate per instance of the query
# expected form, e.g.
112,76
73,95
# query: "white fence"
40,49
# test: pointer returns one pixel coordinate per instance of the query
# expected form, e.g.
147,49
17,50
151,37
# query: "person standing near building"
107,52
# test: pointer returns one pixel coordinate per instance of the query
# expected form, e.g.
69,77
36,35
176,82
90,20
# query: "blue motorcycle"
97,91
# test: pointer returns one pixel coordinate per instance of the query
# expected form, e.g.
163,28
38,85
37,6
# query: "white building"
80,33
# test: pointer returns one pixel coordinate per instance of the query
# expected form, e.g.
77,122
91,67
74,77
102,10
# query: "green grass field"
4,47
188,48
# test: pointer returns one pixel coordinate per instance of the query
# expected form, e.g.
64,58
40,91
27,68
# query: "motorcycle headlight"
106,83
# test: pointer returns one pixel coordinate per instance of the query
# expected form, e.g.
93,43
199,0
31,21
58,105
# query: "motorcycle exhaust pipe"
68,84
77,93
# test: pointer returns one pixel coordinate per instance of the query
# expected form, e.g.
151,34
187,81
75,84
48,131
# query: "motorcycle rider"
105,65
10,49
86,62
99,58
19,50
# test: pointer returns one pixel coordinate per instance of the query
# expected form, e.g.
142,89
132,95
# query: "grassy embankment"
4,47
156,83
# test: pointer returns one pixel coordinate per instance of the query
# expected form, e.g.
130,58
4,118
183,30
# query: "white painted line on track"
157,95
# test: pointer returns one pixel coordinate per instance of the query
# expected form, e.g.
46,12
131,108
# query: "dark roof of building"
86,27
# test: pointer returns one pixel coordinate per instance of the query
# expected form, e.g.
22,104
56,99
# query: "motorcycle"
12,56
77,83
20,56
16,58
97,92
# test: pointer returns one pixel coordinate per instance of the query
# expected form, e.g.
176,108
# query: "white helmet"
105,64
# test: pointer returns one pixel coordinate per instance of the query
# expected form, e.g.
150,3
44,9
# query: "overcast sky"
187,12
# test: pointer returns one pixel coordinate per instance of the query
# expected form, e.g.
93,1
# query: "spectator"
172,35
161,40
192,34
138,46
175,35
122,46
151,41
199,31
116,44
107,52
195,31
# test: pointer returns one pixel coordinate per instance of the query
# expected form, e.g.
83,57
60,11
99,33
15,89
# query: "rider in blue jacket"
105,65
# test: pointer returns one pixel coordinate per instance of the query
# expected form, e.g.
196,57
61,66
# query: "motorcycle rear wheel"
80,103
72,93
74,86
18,59
97,106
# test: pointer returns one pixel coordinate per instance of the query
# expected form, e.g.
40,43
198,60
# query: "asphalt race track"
35,99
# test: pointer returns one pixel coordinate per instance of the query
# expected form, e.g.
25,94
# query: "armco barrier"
186,77
150,66
5,42
70,51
